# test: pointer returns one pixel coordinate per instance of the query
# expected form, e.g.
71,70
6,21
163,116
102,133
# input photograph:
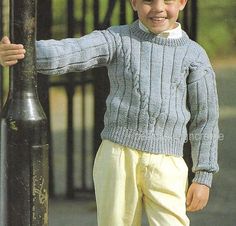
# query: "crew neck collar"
134,27
170,33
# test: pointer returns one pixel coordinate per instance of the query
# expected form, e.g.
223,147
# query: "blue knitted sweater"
157,86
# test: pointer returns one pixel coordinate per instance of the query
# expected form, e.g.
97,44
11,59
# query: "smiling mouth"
158,19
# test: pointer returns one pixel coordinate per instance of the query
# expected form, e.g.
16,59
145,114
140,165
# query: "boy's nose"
158,5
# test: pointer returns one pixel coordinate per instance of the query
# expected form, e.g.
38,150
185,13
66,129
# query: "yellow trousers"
127,180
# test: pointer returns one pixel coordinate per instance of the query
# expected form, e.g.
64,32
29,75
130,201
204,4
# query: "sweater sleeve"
74,54
203,130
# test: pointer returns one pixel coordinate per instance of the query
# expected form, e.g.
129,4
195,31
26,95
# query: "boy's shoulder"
196,48
117,33
119,29
197,56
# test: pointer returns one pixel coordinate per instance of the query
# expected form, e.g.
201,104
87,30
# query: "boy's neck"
172,33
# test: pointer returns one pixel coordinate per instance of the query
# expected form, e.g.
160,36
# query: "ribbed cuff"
203,177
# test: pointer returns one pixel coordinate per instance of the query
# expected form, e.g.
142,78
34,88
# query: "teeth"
159,19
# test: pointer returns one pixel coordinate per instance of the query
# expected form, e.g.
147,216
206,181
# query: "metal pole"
194,10
107,20
190,19
24,147
1,70
70,91
186,18
122,11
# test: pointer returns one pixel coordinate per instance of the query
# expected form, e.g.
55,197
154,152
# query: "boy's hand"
10,53
197,197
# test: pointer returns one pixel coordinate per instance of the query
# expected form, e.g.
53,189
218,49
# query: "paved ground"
221,210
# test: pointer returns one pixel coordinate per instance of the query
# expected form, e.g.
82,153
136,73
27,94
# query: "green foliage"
216,24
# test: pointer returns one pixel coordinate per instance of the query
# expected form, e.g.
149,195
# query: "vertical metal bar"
83,19
122,11
107,20
1,69
194,19
44,18
24,147
83,141
70,90
186,18
70,140
190,19
96,20
70,18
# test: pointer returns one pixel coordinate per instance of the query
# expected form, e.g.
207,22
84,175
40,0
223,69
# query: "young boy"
159,81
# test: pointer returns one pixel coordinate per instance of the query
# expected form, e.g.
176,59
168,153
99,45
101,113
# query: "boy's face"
158,15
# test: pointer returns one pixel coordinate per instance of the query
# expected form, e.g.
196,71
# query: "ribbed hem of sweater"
203,177
148,143
154,145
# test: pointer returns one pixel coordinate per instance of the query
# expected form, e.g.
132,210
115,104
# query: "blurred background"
75,103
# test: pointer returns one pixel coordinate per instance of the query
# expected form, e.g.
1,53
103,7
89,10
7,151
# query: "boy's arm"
203,131
67,55
74,54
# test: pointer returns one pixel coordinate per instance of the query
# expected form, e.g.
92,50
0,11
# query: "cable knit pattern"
157,86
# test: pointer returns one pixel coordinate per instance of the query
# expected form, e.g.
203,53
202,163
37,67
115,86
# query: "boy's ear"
133,4
182,4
